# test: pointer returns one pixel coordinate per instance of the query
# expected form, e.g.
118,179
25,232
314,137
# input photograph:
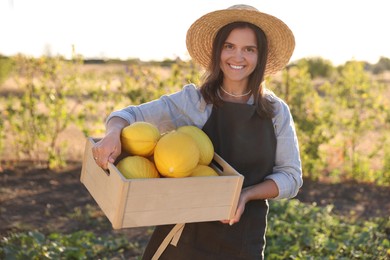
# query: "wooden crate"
150,202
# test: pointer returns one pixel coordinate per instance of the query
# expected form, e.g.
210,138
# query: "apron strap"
172,238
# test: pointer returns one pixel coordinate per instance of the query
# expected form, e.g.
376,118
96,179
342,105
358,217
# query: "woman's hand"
240,208
264,190
109,148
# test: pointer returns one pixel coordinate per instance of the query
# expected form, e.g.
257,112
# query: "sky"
336,30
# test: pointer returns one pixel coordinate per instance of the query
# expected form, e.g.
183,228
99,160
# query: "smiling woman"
249,127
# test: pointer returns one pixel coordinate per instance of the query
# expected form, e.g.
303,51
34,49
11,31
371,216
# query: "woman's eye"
251,49
228,46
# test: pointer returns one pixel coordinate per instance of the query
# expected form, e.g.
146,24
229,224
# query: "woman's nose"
238,54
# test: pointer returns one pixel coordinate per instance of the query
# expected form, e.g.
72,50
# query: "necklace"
234,95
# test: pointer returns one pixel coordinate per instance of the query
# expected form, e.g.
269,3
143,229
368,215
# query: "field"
46,213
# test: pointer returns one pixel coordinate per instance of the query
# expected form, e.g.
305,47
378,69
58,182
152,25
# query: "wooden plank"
107,190
213,193
172,216
227,170
182,185
235,197
123,191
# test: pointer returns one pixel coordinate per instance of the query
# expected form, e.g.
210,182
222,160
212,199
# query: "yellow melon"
204,143
137,167
140,138
202,171
176,155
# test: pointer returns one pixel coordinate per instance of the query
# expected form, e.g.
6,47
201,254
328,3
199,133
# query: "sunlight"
338,31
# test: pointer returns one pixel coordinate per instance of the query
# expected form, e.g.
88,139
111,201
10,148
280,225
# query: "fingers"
107,149
104,154
99,157
229,221
237,216
111,159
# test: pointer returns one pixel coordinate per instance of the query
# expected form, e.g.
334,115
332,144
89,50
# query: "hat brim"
201,34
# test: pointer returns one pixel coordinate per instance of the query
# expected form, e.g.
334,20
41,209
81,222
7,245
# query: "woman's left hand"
264,190
240,209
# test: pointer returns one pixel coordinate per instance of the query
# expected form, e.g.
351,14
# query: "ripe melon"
202,171
137,167
140,138
204,143
176,155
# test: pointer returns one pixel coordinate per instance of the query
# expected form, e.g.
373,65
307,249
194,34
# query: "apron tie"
172,238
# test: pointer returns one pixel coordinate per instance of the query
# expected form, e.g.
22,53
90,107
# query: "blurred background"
334,30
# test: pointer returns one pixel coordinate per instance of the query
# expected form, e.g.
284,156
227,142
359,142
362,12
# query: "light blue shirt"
187,107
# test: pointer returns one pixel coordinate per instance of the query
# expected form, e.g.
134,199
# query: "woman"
250,128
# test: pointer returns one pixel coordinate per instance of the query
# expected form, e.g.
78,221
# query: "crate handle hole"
217,165
107,172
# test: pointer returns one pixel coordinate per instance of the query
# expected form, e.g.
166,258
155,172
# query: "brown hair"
213,78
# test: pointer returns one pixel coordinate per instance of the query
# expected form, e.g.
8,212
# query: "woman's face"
239,56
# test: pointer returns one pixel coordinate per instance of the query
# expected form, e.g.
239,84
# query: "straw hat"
201,34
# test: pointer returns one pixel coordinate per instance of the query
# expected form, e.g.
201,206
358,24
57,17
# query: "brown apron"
248,144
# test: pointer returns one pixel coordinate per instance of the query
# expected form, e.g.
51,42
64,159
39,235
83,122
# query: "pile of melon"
184,152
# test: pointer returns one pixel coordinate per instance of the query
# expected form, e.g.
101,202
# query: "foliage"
386,166
334,118
78,245
300,231
318,67
382,65
362,110
43,111
6,67
3,114
311,115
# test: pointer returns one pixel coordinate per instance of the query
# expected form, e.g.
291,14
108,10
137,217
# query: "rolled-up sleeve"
287,172
185,107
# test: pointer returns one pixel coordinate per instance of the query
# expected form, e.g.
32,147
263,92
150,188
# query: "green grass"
300,231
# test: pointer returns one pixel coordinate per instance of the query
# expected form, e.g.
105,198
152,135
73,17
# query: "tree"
382,65
311,115
318,67
360,111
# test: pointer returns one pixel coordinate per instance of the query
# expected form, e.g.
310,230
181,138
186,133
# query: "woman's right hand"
107,150
109,147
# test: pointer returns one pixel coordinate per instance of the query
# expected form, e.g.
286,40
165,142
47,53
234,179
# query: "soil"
49,201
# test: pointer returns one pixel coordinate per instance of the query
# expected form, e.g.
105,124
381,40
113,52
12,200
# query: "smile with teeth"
236,67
